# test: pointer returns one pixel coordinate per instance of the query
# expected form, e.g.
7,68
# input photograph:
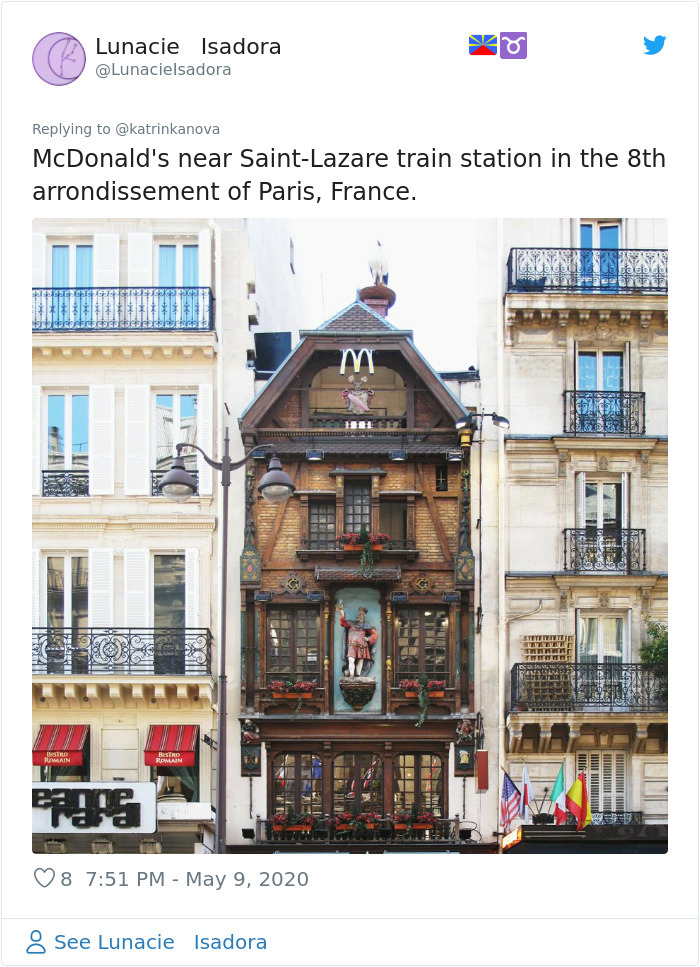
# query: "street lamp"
178,485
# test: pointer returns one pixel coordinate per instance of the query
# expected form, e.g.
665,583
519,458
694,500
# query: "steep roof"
357,317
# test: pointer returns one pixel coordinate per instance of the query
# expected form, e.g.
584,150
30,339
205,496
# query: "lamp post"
178,485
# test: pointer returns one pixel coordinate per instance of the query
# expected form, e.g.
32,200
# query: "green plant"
654,651
423,700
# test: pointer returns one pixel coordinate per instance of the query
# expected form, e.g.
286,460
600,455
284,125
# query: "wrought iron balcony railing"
441,830
588,270
121,651
137,308
157,476
611,818
65,483
599,549
604,412
594,686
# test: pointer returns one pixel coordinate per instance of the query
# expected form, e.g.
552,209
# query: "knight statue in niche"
360,638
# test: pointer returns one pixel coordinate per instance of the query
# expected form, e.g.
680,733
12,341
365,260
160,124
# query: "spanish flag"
577,802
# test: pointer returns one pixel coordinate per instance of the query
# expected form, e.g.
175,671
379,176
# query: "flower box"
305,828
410,694
422,826
400,826
278,827
292,694
343,827
438,694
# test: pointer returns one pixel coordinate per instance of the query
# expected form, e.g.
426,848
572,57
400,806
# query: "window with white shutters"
605,779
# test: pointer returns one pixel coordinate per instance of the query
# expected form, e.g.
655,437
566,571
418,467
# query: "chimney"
378,297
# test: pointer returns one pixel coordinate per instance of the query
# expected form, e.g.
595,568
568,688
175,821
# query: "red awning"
171,745
60,745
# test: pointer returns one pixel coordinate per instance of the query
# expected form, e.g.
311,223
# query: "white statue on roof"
379,266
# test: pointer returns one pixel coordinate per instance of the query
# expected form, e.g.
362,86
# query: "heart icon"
44,877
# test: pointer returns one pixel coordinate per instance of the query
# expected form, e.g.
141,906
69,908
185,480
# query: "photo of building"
456,576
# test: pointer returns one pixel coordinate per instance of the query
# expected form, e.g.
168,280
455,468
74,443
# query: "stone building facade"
134,325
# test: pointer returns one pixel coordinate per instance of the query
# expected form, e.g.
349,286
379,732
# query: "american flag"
510,802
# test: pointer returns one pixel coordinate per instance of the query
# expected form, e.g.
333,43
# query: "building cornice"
145,523
125,345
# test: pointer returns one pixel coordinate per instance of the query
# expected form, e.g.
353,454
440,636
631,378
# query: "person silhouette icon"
35,947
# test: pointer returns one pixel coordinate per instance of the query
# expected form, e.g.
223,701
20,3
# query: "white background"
375,76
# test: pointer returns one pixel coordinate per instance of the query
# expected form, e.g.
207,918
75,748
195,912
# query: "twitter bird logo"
655,45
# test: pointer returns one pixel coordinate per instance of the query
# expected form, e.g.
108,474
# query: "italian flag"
558,797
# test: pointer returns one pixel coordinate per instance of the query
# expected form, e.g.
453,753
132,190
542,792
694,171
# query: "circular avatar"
59,59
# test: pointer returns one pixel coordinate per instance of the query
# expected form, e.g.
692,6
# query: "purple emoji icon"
513,45
59,59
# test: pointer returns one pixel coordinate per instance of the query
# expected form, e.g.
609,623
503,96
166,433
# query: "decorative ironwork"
604,686
606,412
611,819
65,483
598,549
587,270
157,476
106,309
442,830
121,651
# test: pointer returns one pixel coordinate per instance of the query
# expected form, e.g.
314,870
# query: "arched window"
358,783
296,784
418,781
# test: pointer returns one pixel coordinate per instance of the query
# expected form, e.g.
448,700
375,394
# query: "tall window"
392,519
68,431
441,478
71,271
418,781
169,614
601,648
177,273
601,638
358,505
321,523
600,243
176,422
421,641
66,614
600,381
292,642
358,783
296,783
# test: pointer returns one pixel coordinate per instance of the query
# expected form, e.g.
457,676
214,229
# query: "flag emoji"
510,802
483,44
558,797
577,802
